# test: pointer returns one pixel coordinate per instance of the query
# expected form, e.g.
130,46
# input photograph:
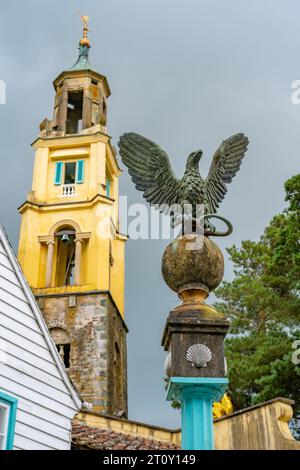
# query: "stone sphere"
193,262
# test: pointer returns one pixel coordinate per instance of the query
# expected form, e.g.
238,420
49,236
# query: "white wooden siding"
31,370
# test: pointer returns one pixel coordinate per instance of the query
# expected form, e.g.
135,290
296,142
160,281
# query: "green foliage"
263,304
254,372
282,371
283,239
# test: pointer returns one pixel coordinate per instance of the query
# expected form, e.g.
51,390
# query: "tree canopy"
263,305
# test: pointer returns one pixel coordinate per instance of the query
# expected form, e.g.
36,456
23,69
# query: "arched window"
65,244
65,259
63,344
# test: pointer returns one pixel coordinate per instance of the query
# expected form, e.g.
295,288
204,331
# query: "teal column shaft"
196,395
196,420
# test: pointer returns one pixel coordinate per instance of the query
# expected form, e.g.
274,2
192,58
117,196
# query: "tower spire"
84,46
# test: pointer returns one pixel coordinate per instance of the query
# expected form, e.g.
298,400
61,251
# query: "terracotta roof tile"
104,439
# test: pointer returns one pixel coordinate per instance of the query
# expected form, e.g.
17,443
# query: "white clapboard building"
37,398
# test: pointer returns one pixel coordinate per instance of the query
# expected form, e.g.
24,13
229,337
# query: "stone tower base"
91,336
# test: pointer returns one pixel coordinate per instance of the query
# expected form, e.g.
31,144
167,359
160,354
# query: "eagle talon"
215,232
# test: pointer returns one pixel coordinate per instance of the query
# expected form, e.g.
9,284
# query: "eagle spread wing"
225,164
149,168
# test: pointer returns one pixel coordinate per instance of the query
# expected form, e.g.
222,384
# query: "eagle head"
193,159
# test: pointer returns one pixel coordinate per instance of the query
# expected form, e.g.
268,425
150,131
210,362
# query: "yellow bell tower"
70,247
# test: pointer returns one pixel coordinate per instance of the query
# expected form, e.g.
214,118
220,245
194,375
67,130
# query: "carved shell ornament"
198,355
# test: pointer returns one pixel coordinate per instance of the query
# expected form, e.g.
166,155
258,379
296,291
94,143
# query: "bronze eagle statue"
151,172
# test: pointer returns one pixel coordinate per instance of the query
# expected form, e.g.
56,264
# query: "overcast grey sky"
184,73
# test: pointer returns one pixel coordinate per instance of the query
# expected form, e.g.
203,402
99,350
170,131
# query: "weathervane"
85,21
84,41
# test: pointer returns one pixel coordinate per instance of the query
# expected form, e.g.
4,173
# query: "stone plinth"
183,329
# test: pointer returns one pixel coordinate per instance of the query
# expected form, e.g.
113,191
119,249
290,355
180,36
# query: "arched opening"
65,244
74,111
65,258
62,341
117,355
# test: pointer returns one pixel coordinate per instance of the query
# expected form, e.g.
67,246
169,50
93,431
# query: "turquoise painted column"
196,395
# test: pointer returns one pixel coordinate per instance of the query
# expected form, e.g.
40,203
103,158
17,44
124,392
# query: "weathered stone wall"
95,328
261,427
116,363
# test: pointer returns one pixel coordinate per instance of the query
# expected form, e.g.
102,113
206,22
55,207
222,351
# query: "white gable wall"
30,370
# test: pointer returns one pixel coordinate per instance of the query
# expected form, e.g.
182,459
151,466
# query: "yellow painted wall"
88,208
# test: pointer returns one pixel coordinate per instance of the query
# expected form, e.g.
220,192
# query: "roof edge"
39,318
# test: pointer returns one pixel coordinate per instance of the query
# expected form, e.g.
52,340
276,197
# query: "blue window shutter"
80,171
58,173
107,188
12,403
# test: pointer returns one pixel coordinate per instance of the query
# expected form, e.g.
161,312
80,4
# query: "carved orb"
192,262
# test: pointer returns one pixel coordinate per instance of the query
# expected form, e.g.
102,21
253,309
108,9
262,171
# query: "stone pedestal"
194,339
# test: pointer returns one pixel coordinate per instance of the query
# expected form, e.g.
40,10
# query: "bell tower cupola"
70,248
80,96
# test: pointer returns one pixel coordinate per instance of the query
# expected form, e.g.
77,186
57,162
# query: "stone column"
49,265
78,243
196,396
62,110
86,109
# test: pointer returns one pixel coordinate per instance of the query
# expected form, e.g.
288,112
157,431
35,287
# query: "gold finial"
84,41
